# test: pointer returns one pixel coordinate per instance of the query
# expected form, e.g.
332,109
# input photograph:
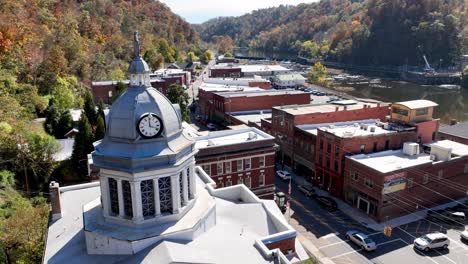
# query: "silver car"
432,241
361,240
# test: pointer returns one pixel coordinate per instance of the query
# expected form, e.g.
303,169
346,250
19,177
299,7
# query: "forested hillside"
354,31
50,50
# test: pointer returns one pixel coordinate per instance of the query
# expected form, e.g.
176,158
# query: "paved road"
192,91
327,231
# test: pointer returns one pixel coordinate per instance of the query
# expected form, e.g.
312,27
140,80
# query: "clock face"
149,125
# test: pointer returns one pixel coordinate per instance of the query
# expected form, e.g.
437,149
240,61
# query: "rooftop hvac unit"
372,129
356,125
432,157
410,148
210,143
252,136
386,126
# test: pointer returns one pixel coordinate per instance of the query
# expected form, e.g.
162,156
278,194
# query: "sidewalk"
362,218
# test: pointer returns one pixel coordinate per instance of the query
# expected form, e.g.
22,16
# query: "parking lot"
326,230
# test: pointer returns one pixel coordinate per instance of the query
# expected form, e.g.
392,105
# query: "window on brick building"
240,165
328,162
321,144
247,182
207,169
363,148
219,168
320,159
355,176
336,165
369,183
228,182
247,164
261,161
375,147
434,135
328,147
220,183
261,179
410,183
387,144
337,151
240,180
227,167
425,178
440,174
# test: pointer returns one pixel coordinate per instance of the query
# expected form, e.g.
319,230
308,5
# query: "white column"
105,195
175,194
136,202
193,189
157,203
185,186
121,200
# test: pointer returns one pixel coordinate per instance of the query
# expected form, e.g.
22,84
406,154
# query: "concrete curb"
314,252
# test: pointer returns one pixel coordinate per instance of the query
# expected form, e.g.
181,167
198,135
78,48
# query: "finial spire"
136,44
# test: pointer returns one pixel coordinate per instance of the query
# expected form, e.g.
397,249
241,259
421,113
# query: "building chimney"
336,108
55,200
453,122
378,104
345,108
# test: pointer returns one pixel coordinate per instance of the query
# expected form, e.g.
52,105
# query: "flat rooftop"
326,108
260,93
231,137
458,130
393,160
251,116
290,77
263,68
416,104
211,87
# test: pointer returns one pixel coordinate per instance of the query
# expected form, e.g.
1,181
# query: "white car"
286,176
464,235
432,241
361,240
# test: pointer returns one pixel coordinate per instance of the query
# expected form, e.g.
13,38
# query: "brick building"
227,102
393,183
457,132
225,71
233,157
284,120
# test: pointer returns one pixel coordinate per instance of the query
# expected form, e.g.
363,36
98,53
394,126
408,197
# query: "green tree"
100,129
207,56
7,179
52,118
309,49
101,109
191,57
168,52
318,74
120,88
83,144
153,58
63,91
228,55
89,107
65,124
177,95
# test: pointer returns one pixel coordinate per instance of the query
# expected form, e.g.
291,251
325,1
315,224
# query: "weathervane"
136,44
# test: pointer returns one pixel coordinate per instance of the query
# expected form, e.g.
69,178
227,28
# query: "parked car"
446,216
464,235
307,190
432,241
327,202
361,240
286,176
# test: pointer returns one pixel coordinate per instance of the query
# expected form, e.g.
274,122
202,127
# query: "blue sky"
198,11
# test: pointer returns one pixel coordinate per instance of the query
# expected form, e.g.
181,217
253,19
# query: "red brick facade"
331,152
432,184
286,245
251,163
225,72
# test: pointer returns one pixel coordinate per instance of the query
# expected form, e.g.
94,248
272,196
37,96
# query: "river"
453,103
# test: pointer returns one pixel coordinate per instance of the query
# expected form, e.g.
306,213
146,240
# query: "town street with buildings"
260,135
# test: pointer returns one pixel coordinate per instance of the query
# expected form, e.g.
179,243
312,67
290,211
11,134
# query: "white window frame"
261,179
355,176
240,165
240,180
219,168
369,183
227,166
249,163
228,182
425,178
409,183
207,168
221,182
248,182
261,161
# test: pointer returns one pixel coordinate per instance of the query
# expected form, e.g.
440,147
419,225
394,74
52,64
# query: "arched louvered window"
113,195
165,194
147,197
127,198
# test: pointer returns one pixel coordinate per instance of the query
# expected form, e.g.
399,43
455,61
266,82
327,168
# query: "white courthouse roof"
231,137
416,104
239,225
